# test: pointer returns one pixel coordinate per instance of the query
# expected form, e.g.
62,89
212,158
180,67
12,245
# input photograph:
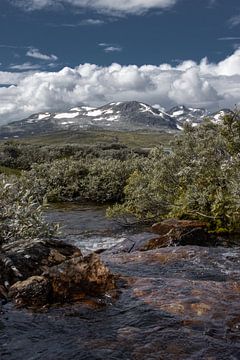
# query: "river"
173,303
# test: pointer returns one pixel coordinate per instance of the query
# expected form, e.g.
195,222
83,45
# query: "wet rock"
80,277
175,232
42,272
170,232
131,243
72,280
35,291
20,260
165,226
3,293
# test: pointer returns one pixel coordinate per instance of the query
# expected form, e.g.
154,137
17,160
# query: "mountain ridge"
119,116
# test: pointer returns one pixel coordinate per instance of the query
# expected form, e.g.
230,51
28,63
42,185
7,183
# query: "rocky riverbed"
179,302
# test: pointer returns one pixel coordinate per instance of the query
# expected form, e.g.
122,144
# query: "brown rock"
156,243
165,226
20,260
181,232
78,277
35,291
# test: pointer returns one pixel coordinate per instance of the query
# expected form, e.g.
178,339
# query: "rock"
165,226
80,277
35,291
181,232
72,280
3,292
20,260
172,232
131,243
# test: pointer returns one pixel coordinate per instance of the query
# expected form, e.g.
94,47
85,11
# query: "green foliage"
16,155
199,179
20,215
96,180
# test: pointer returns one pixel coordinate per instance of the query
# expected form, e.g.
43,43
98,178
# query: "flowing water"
173,303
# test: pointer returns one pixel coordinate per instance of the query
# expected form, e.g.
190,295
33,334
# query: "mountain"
195,116
217,116
183,114
124,116
128,115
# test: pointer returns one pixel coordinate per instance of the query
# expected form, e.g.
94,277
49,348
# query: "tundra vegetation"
197,179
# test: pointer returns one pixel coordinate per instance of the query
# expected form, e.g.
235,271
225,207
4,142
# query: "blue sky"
45,41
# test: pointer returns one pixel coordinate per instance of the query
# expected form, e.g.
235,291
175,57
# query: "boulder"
165,226
79,277
34,292
72,280
175,232
167,233
22,259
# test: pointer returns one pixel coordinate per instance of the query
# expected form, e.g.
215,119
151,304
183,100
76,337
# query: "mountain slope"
130,115
124,116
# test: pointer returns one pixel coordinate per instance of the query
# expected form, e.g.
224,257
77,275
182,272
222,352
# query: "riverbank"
177,303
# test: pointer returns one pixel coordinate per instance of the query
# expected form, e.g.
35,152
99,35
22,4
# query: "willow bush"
199,179
20,214
96,180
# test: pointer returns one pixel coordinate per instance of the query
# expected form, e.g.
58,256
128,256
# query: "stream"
174,303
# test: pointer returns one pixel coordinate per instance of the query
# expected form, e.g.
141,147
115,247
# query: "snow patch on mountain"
66,115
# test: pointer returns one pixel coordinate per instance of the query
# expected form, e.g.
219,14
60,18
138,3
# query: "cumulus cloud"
124,6
36,54
204,84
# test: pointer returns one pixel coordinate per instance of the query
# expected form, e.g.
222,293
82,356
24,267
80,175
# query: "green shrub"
20,215
198,180
91,179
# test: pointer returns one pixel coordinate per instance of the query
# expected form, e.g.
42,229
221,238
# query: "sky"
56,54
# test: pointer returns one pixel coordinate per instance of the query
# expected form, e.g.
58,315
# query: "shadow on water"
174,304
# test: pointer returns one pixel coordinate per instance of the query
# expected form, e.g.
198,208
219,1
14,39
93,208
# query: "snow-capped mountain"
217,117
125,116
129,115
192,115
195,116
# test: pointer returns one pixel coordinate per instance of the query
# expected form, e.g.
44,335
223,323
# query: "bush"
198,180
20,215
96,180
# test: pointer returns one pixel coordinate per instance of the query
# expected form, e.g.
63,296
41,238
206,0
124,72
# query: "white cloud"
36,54
108,48
204,84
84,22
124,6
91,22
113,49
234,21
25,66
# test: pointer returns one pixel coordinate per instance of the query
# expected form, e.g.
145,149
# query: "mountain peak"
123,116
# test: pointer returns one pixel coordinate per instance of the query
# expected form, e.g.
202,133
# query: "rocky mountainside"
195,116
125,116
